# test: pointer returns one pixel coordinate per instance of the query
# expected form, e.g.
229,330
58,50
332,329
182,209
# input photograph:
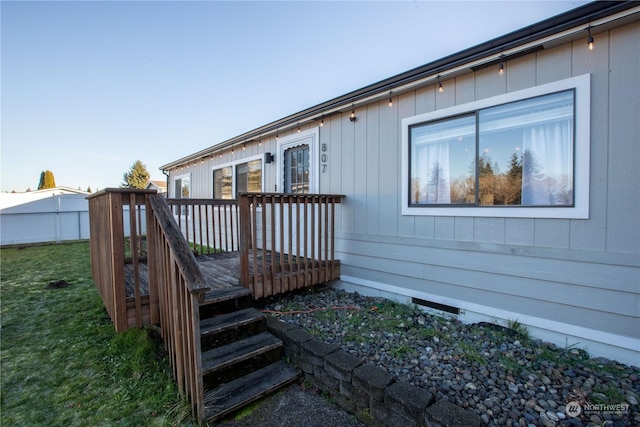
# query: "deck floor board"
222,270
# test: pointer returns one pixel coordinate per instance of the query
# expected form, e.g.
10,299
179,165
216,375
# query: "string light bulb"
299,129
390,99
501,66
352,117
440,88
590,43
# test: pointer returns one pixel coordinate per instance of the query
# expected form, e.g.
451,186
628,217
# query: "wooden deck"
222,270
143,264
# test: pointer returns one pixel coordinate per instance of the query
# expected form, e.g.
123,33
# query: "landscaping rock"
529,381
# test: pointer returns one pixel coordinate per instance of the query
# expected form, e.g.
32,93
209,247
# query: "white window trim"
233,165
177,177
311,138
582,86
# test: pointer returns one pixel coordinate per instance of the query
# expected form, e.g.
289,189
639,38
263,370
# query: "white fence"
56,218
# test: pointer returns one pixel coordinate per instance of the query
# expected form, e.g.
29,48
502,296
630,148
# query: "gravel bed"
497,372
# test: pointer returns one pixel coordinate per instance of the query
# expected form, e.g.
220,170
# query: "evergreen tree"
487,181
47,180
136,177
89,189
512,188
437,187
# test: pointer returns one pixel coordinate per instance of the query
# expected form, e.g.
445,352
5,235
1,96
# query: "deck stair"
241,361
177,264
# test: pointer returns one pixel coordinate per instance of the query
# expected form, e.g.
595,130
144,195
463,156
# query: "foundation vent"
436,306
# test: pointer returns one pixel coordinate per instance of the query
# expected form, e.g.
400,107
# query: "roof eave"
583,15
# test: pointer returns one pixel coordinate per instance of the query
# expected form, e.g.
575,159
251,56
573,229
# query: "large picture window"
518,154
527,151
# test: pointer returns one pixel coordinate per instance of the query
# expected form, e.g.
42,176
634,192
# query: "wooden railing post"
153,264
245,238
117,263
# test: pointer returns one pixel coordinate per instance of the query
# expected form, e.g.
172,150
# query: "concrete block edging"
372,394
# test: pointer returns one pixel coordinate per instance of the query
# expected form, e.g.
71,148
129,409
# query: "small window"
182,191
527,151
296,167
182,188
223,183
249,177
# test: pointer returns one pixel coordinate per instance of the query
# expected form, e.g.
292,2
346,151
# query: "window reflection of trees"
533,138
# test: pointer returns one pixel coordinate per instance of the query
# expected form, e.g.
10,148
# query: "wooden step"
243,391
238,351
222,301
215,296
233,320
226,328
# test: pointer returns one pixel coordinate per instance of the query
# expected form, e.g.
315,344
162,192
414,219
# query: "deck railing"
117,222
210,225
293,236
134,232
287,241
181,287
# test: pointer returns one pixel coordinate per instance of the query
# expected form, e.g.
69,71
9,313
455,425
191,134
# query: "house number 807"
323,157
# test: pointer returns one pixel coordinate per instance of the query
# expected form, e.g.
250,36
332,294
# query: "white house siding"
574,282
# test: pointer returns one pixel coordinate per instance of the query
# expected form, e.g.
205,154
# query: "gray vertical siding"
580,272
624,135
576,272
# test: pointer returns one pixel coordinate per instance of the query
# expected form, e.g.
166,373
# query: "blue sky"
88,88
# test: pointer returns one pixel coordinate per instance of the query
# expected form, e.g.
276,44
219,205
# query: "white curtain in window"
434,181
547,172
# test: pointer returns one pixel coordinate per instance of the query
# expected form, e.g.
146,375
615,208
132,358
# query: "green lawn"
62,364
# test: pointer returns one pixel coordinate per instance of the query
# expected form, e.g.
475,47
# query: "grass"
607,395
369,323
62,362
201,249
520,330
471,352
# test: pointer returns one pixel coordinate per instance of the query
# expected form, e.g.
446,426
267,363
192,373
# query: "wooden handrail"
184,257
181,289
